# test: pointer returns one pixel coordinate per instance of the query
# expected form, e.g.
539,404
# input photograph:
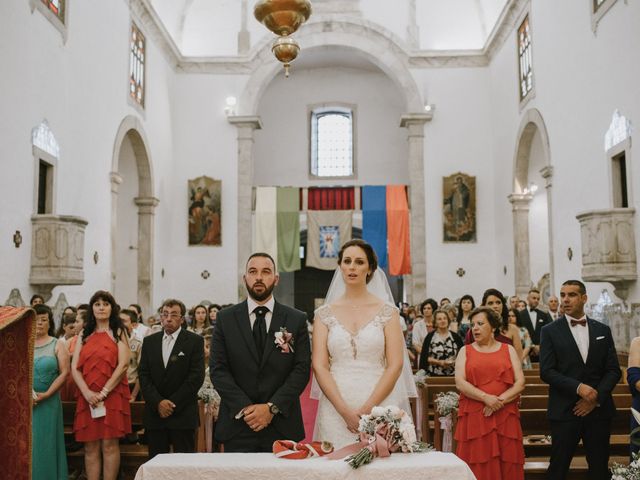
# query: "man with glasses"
171,372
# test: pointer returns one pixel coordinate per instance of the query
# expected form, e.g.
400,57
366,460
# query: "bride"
358,347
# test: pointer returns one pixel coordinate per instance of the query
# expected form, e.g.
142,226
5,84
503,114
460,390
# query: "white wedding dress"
357,361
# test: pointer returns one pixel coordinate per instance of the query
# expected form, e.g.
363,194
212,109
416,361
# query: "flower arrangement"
626,472
419,377
208,394
384,431
284,340
447,403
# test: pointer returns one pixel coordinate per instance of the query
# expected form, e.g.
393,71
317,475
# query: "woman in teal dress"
50,370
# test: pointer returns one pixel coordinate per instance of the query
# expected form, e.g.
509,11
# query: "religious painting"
205,211
459,208
329,241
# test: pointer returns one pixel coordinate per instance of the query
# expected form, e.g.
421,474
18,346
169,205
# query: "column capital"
547,174
116,179
520,201
146,205
410,119
245,121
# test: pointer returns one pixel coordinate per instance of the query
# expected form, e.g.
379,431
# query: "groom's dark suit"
243,378
562,367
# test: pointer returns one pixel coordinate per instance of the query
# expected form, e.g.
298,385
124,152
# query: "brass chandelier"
283,17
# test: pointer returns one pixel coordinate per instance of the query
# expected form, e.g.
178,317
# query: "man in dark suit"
171,372
533,319
579,362
259,381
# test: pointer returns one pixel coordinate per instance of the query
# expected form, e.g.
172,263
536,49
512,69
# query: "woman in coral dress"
490,379
99,367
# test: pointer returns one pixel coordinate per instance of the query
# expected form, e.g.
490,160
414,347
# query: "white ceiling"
208,28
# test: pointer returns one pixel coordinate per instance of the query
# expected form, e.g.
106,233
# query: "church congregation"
237,228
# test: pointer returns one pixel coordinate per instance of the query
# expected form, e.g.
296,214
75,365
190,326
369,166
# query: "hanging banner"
327,231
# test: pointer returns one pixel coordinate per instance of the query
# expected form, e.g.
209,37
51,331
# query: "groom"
260,362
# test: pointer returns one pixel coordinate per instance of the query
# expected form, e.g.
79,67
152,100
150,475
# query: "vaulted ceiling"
210,28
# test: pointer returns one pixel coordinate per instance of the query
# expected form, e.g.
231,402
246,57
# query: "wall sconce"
230,106
96,257
570,253
17,239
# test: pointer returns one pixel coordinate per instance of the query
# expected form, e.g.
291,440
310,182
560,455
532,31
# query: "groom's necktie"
260,328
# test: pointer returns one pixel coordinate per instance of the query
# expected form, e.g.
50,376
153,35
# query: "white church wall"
580,81
458,139
538,215
205,144
282,146
81,88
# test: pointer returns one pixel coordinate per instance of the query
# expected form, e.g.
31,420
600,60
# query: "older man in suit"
171,372
260,364
533,319
579,362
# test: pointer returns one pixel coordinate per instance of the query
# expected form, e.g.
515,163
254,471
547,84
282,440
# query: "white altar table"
265,466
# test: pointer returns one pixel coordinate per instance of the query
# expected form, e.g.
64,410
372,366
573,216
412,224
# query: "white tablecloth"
263,466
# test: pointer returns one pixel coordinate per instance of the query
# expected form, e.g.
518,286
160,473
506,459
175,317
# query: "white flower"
378,411
395,412
278,335
408,432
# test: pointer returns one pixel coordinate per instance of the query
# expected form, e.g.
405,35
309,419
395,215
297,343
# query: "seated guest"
633,378
421,327
466,306
451,310
521,306
50,370
513,302
214,308
140,330
490,379
36,300
525,339
444,301
135,345
440,348
200,324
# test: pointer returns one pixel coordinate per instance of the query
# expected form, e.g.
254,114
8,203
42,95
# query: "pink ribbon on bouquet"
446,424
380,444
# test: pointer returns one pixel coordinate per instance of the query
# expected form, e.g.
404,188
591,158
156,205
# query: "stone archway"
131,132
382,49
532,124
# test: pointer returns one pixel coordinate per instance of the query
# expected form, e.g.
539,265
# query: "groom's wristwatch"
273,408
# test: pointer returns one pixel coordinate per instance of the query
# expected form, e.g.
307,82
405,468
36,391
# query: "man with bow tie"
260,363
171,372
578,360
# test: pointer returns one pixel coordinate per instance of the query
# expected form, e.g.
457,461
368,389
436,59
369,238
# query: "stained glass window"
57,7
524,53
332,142
136,65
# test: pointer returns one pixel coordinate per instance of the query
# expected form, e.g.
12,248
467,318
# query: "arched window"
137,56
524,54
332,142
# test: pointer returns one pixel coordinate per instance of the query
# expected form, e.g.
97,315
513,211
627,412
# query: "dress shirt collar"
174,335
252,304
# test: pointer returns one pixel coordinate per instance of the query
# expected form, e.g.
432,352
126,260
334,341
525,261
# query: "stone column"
244,37
116,180
246,126
520,202
547,174
146,213
416,283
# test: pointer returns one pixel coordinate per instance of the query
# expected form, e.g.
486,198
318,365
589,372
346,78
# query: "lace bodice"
364,347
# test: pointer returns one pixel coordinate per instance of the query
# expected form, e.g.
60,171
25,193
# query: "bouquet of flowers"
419,377
384,431
447,403
626,472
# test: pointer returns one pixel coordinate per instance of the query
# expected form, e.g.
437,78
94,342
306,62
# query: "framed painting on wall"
205,211
459,208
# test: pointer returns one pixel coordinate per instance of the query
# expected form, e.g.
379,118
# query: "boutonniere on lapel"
284,340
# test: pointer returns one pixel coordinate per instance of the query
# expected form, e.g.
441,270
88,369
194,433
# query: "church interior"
150,146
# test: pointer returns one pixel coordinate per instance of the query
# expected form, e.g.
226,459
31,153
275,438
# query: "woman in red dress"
99,367
489,377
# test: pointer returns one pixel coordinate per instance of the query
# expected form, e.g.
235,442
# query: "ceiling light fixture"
283,17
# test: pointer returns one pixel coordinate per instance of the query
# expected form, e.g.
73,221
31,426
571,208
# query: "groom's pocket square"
181,354
600,338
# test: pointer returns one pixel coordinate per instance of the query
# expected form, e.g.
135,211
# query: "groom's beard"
257,296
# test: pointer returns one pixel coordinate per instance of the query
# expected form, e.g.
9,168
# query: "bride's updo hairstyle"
372,258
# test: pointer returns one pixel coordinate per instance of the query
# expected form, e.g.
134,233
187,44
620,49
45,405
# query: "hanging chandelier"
283,17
